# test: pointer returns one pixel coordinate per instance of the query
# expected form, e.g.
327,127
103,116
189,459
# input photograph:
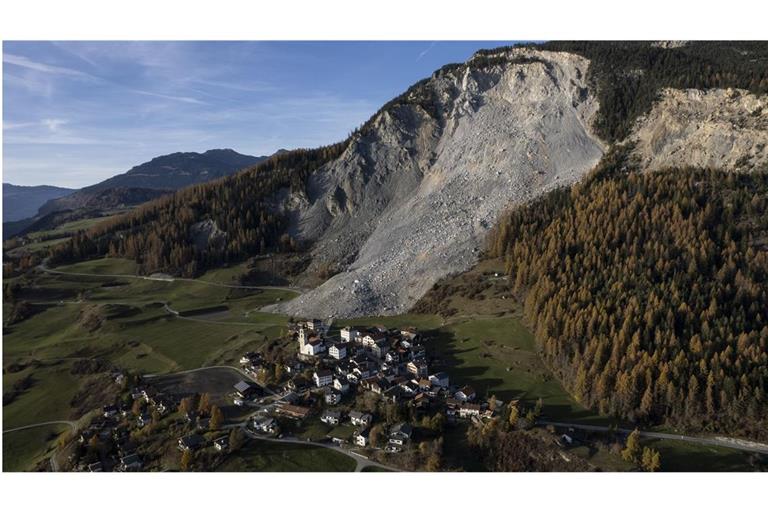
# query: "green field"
101,266
679,456
23,449
135,331
259,455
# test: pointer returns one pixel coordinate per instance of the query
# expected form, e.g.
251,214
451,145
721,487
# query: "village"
374,380
366,391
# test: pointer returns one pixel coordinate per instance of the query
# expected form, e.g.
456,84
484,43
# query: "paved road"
72,425
361,461
720,441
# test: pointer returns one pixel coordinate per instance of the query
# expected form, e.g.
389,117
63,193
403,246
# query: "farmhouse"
244,390
293,411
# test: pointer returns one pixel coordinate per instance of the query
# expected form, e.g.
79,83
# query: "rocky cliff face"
717,128
412,199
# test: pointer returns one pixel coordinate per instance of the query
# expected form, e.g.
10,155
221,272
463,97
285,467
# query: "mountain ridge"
168,172
22,201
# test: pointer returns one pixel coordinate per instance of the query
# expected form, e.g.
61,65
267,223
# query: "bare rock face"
413,199
206,233
717,128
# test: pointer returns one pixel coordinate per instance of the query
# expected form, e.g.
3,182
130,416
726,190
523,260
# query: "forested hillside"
157,234
649,292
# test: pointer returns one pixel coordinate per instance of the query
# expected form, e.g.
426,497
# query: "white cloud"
183,99
424,52
53,124
21,61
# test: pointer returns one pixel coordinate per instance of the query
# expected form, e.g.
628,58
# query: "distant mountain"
20,202
167,173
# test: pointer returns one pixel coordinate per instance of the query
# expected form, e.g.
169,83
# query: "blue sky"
75,113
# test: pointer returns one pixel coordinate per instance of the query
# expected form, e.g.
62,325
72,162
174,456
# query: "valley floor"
101,310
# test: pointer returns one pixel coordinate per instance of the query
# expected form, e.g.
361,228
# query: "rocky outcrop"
413,197
206,233
716,128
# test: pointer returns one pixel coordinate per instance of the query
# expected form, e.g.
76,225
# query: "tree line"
648,292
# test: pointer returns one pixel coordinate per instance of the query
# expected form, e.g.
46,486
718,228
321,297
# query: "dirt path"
44,268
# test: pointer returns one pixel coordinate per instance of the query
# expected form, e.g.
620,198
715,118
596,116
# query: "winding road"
72,425
361,461
719,441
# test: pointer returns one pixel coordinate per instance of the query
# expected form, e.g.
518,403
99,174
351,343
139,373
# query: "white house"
440,379
400,434
360,418
221,443
418,368
265,425
338,351
331,417
361,438
369,340
341,384
332,397
465,394
467,410
349,334
318,326
322,378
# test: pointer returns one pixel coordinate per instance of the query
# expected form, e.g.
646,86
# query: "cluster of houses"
392,363
113,428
